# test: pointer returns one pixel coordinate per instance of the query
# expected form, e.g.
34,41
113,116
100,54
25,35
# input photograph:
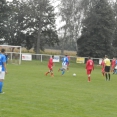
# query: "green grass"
29,93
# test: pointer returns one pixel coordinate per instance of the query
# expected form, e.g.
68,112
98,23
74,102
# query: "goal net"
13,53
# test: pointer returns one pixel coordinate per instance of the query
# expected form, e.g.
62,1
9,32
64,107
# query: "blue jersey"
2,61
65,61
116,62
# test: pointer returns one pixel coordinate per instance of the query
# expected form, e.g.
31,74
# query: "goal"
13,53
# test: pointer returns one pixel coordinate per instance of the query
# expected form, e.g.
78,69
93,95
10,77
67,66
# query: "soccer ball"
74,74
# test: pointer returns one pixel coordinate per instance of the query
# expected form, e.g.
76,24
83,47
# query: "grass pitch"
29,93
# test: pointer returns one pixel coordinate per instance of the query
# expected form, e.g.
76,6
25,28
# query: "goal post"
13,52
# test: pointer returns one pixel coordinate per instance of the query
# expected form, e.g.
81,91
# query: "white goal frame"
20,54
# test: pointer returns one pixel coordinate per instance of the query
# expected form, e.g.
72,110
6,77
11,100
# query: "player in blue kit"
2,68
64,64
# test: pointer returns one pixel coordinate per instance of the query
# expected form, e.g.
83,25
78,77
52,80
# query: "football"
74,74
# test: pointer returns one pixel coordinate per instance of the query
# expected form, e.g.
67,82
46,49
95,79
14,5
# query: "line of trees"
98,31
90,26
29,23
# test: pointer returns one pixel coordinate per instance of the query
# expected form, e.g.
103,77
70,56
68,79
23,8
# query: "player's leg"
89,75
103,73
109,73
63,71
106,71
1,85
109,76
51,70
2,75
48,71
111,68
64,68
60,69
106,76
67,66
115,71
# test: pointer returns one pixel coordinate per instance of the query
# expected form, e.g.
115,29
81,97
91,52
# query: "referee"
107,67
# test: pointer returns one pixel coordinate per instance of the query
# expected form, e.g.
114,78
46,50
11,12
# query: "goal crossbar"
9,46
12,46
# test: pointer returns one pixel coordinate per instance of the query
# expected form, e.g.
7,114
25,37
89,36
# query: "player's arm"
104,64
5,67
53,63
4,63
93,65
67,60
111,63
115,63
86,64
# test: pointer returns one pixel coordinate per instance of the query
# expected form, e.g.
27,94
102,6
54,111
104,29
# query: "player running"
64,65
50,65
113,64
103,65
89,68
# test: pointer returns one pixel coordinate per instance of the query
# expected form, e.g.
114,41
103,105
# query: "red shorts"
50,67
89,71
113,66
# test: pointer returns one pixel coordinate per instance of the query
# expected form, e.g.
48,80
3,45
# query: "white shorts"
64,67
2,75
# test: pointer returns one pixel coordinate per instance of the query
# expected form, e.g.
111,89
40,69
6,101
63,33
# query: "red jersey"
113,63
103,64
68,57
89,64
50,62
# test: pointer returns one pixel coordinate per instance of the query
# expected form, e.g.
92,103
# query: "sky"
59,23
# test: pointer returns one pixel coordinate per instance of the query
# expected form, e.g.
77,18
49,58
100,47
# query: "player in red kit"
103,66
50,65
113,64
89,68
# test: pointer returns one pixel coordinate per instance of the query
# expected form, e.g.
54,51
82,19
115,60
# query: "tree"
98,31
15,24
115,33
42,26
71,13
31,24
4,13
